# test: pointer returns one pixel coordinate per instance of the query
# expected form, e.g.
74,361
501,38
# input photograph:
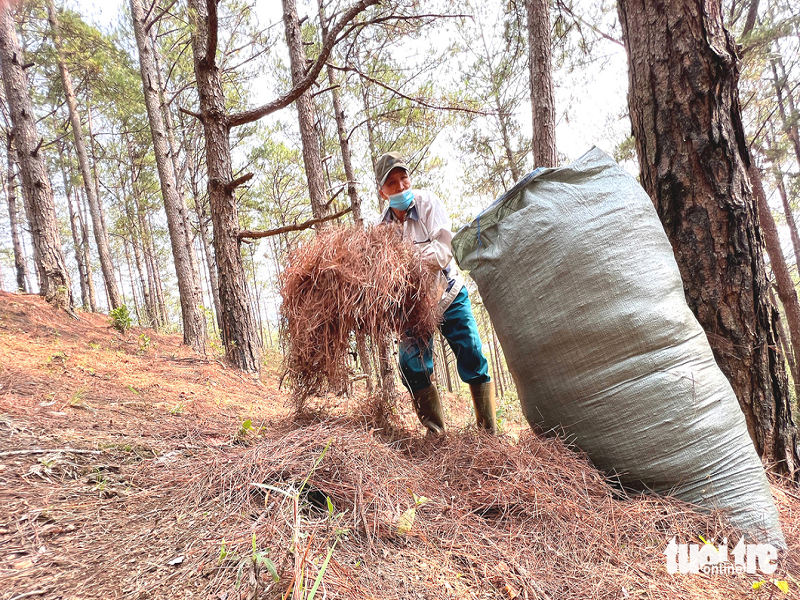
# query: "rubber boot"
483,399
429,409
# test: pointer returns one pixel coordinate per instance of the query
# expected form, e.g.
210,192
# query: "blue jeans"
461,332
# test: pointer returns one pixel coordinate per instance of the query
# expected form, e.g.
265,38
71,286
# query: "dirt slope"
126,472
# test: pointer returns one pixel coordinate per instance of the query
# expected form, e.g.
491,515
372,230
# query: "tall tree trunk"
136,238
20,266
136,306
74,229
784,95
502,119
83,160
194,330
152,254
239,334
373,147
151,295
165,110
305,114
202,222
54,282
87,251
386,368
93,155
541,80
787,211
693,160
783,279
344,140
786,346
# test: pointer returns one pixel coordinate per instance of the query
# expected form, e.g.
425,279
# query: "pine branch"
246,233
422,102
310,77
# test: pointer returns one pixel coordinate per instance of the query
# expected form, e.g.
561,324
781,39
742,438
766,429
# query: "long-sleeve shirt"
428,226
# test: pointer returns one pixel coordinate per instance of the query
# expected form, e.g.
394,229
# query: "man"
425,222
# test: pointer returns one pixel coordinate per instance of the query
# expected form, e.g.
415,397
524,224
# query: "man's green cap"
387,162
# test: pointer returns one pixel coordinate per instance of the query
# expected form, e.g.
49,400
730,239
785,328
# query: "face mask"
402,200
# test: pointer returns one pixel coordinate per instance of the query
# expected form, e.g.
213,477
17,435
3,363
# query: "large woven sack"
583,289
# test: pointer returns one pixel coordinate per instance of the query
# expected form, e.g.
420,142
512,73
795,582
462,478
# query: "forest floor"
132,468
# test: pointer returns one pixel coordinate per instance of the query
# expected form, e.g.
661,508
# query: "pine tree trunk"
787,211
74,229
373,148
202,221
54,282
502,118
783,279
785,344
136,242
305,115
125,244
366,365
238,326
83,160
87,251
784,95
386,369
693,160
194,331
152,254
344,140
152,302
344,145
541,81
20,266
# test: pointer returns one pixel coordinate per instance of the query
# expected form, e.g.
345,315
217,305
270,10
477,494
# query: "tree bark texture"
20,267
305,114
783,279
693,158
101,237
239,334
541,80
194,329
54,282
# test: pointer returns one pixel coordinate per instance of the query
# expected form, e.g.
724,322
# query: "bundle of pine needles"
346,282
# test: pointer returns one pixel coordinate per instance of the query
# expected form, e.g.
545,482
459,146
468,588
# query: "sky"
595,99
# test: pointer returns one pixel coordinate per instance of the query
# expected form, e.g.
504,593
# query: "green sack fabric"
580,280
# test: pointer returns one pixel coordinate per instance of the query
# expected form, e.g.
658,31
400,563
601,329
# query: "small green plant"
294,494
94,345
226,554
247,426
77,398
134,390
256,560
773,584
178,409
121,318
144,343
59,357
246,429
406,521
